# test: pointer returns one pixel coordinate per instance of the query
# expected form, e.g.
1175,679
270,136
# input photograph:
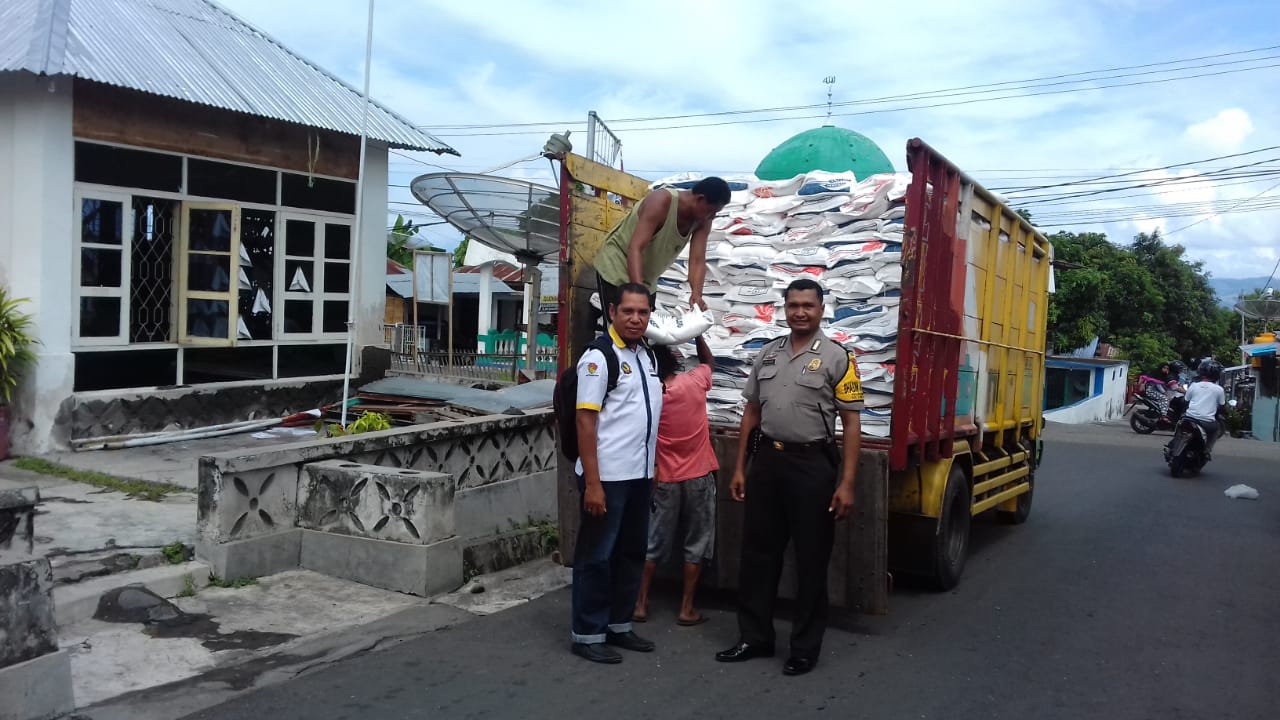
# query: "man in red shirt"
685,487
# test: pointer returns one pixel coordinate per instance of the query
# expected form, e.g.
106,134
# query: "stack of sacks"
847,235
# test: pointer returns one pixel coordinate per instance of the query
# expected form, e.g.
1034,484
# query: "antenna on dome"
829,81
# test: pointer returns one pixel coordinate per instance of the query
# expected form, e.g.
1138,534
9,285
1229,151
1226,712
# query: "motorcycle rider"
1177,388
1205,399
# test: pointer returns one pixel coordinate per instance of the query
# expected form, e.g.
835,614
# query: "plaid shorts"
689,505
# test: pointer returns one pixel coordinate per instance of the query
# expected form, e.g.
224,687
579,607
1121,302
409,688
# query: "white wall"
371,282
37,221
1106,406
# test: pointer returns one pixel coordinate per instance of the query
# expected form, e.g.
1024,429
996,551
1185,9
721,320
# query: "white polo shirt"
627,433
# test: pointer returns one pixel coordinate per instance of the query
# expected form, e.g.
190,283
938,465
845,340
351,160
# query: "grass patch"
132,488
175,553
188,586
240,582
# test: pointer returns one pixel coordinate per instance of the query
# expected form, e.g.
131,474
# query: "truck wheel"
1019,516
951,543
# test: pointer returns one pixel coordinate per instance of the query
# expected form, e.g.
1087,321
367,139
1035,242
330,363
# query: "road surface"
1128,594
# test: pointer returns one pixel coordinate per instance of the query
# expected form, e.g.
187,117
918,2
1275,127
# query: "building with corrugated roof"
178,199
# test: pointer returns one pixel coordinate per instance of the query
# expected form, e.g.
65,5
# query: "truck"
965,434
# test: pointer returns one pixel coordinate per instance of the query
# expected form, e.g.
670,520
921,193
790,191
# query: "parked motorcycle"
1152,407
1189,449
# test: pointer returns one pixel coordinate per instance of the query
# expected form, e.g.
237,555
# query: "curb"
75,602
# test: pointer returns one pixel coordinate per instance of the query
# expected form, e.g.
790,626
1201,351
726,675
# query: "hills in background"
1229,289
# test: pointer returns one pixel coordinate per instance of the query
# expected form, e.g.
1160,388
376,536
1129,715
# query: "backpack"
565,398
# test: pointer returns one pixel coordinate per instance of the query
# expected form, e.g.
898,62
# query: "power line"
1264,192
1036,199
888,98
1163,167
895,109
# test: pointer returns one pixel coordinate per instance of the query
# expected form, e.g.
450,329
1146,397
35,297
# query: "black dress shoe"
744,651
597,653
798,665
629,641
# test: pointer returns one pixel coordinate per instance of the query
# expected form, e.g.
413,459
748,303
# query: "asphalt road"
1128,594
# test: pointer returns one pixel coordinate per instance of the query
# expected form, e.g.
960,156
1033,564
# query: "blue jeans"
609,560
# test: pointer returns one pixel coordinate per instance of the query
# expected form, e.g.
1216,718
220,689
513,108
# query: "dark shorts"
690,504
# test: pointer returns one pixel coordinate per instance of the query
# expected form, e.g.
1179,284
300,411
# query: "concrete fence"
413,510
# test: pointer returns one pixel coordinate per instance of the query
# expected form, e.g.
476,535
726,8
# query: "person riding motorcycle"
1205,398
1177,388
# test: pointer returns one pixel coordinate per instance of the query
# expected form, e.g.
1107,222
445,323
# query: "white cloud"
1225,132
440,62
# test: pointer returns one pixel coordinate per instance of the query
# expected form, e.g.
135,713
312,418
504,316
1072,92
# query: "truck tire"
951,541
1023,511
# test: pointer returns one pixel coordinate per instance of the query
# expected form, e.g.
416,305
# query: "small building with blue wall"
1084,390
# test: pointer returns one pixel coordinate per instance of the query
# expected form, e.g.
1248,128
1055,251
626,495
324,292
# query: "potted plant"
16,357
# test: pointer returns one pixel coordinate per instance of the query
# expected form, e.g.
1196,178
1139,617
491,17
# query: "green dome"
826,148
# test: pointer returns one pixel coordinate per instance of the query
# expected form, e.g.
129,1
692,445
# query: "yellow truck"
968,393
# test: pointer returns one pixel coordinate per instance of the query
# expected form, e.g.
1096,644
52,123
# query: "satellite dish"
514,216
1265,308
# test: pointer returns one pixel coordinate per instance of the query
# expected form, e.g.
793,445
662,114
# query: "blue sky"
498,63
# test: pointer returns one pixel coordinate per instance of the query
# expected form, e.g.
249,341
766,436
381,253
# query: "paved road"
1127,595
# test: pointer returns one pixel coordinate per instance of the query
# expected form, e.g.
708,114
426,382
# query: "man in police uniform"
798,484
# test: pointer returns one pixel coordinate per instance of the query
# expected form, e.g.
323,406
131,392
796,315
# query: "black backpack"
565,399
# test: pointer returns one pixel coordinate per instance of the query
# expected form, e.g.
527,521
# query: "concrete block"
504,551
499,507
254,557
26,612
38,689
416,569
372,501
79,601
245,504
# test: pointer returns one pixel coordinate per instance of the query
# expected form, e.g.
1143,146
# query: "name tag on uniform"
769,361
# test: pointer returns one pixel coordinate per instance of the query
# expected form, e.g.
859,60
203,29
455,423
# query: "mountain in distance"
1229,289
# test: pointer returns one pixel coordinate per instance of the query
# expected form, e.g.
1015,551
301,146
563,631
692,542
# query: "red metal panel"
933,273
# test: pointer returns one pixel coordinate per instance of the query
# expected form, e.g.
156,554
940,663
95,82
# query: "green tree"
460,252
1145,298
402,241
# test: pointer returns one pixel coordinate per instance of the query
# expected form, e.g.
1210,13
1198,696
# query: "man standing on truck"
798,484
685,492
617,445
649,238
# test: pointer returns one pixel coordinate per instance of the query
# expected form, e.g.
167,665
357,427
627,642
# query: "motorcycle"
1189,448
1158,411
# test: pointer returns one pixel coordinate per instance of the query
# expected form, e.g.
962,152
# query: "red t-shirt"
684,439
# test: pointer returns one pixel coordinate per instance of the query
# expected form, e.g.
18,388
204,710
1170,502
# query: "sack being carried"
679,327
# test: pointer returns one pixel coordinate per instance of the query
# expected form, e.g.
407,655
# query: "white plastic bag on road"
1241,492
674,328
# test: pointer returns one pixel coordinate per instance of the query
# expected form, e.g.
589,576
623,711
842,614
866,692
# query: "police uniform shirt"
800,394
627,431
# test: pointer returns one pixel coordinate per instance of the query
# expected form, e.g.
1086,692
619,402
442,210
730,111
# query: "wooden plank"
584,243
128,117
603,177
596,213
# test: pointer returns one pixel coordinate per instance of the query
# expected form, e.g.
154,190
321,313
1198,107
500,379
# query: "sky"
1009,91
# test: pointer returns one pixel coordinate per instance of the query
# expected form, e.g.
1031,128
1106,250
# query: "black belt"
781,446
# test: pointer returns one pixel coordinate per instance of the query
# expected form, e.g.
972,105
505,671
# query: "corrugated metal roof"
192,50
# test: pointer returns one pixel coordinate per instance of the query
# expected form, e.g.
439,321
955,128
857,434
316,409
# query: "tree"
1145,298
402,242
460,252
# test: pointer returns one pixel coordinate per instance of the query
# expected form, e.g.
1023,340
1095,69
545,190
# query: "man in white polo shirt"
617,441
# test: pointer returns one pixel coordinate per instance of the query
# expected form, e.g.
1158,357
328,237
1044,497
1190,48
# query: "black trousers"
788,496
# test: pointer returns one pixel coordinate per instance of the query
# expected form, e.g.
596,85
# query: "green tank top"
611,261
